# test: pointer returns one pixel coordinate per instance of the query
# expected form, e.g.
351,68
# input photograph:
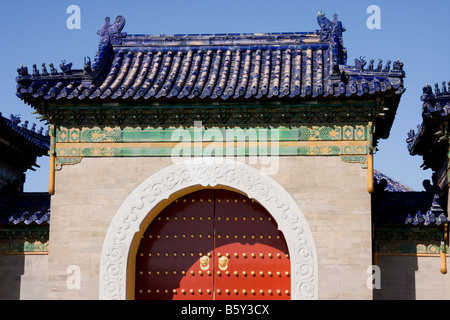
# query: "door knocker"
204,263
223,263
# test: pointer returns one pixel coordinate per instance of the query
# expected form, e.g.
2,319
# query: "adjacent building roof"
434,216
20,145
396,205
25,209
39,139
431,139
389,184
410,208
431,142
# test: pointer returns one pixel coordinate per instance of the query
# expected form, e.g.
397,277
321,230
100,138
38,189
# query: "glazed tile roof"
393,208
397,205
433,216
390,185
218,67
38,139
430,140
25,209
20,145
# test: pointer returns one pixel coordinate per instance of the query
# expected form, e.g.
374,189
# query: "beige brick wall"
23,277
332,195
412,278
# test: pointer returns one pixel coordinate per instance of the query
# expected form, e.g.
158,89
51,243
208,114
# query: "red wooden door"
168,260
254,257
213,244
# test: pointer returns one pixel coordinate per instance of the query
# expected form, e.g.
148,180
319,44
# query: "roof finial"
398,65
329,28
335,18
15,119
65,68
427,89
436,89
112,32
53,70
35,70
44,70
22,71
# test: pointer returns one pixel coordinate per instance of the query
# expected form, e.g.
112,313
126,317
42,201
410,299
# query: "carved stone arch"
145,202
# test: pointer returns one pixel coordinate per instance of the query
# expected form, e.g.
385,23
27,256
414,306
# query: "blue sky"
35,32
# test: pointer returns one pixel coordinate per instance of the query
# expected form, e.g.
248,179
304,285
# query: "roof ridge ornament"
329,28
112,32
22,71
15,119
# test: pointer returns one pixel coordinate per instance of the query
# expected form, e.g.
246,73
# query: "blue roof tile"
208,67
25,209
39,139
434,216
430,139
390,185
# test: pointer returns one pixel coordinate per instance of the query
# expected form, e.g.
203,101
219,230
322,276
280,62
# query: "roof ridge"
38,138
392,185
158,70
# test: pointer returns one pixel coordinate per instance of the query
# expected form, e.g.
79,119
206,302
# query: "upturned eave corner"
431,138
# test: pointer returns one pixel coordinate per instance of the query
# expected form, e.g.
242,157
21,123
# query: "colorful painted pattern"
303,133
398,241
24,240
351,142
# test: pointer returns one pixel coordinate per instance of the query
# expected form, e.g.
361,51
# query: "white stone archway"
208,172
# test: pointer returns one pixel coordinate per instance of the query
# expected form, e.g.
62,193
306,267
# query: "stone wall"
332,195
23,276
412,278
